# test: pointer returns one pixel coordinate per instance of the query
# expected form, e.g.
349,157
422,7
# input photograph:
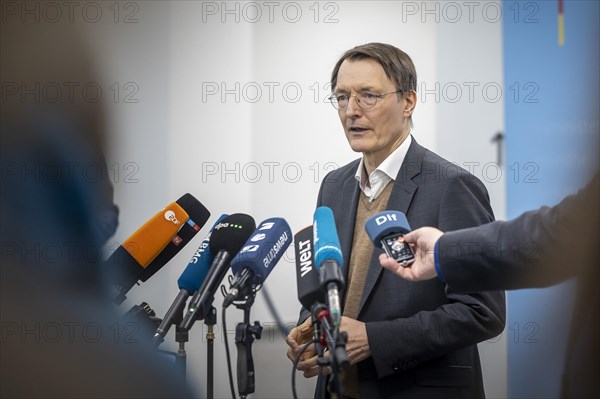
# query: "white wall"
232,111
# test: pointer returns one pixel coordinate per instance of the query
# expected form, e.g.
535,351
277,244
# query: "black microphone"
329,260
307,280
189,282
226,240
384,229
258,257
128,263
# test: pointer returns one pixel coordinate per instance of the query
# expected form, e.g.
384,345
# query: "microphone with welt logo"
189,282
307,279
258,257
129,261
227,238
385,229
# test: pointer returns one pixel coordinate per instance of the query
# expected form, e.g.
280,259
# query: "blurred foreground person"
60,336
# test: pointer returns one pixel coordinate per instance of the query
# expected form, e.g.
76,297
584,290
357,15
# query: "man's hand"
357,347
299,337
422,241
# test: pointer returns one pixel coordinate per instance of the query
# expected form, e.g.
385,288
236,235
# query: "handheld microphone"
328,260
227,238
128,263
307,280
189,282
384,229
258,257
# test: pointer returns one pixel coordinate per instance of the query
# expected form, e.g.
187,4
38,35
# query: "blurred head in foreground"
57,212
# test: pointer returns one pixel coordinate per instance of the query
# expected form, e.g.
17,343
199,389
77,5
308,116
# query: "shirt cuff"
436,261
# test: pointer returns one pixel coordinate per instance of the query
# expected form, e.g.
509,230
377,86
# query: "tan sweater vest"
360,257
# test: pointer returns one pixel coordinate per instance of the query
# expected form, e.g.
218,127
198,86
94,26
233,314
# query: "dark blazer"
537,249
423,337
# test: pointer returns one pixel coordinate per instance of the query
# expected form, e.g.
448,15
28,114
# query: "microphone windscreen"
326,241
263,249
194,208
384,224
307,279
197,268
198,216
150,239
230,234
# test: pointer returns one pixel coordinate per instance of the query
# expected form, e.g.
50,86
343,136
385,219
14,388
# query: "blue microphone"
385,230
189,282
258,257
328,260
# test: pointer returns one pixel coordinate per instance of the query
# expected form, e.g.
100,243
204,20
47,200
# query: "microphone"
227,238
307,281
258,257
198,216
189,282
328,260
384,229
128,263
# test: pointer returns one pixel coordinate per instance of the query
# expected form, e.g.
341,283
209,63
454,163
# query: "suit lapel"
347,219
400,198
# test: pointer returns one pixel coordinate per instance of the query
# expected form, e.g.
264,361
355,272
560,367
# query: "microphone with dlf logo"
385,230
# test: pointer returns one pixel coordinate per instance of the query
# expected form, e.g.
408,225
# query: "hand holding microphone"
422,241
386,230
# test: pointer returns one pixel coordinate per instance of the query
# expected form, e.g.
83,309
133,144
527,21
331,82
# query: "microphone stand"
145,315
210,320
181,337
245,334
332,339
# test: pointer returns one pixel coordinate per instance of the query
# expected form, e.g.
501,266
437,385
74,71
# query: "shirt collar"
373,184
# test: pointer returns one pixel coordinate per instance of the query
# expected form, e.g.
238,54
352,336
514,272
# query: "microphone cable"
296,361
224,322
274,313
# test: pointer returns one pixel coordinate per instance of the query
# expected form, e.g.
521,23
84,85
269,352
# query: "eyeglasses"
365,99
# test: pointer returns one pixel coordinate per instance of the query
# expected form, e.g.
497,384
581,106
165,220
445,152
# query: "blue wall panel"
552,124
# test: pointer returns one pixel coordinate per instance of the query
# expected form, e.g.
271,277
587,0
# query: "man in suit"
405,339
537,249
